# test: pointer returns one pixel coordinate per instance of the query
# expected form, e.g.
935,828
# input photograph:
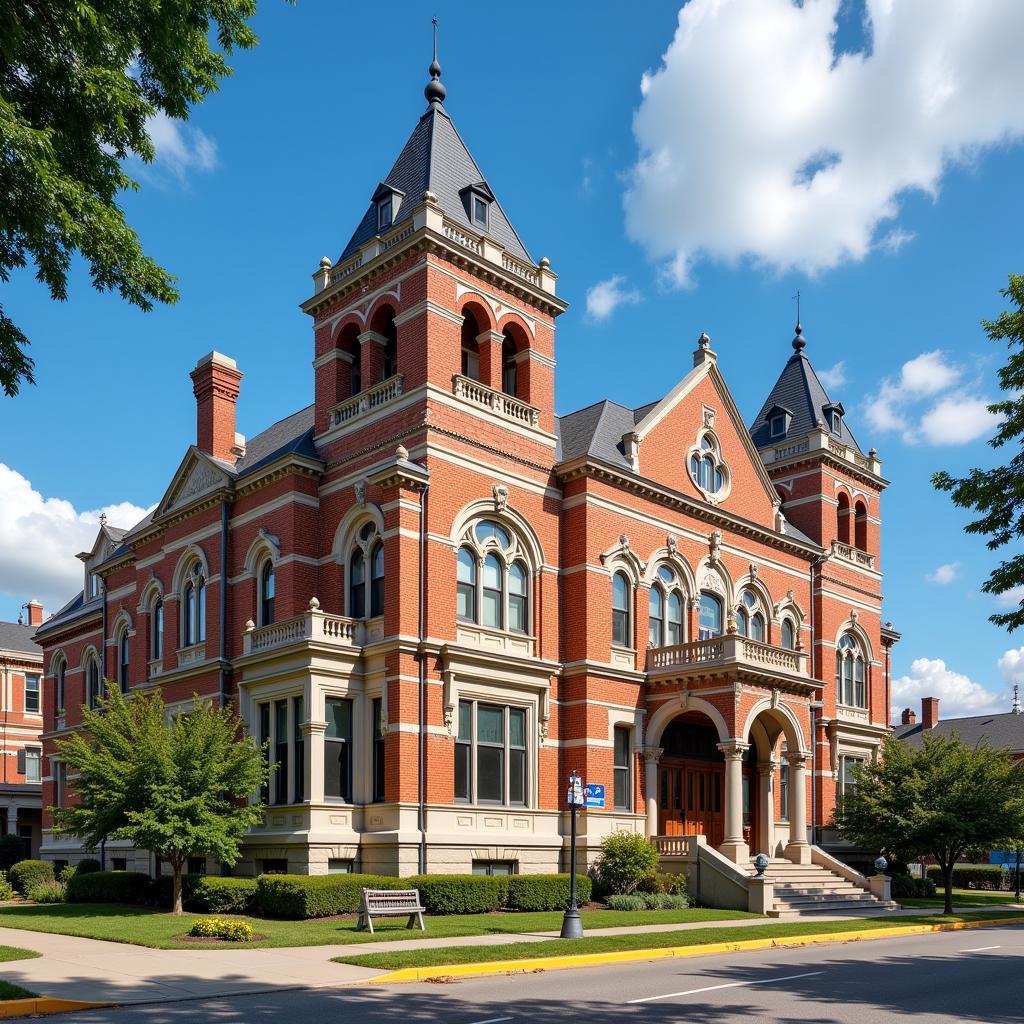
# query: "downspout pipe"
223,590
816,707
421,813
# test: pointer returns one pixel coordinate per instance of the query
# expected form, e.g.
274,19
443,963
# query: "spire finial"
1015,709
798,340
435,91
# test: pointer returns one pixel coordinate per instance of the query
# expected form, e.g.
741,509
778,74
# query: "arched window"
348,343
492,580
156,630
622,594
60,673
706,466
389,367
860,526
357,585
749,618
193,607
267,587
509,366
851,673
123,660
710,616
787,635
377,579
470,345
843,519
93,681
665,610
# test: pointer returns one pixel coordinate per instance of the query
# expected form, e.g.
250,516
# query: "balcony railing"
368,400
728,651
848,553
506,406
312,626
191,655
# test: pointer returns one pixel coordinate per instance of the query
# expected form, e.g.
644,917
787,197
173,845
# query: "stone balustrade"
312,626
368,400
848,553
730,650
506,406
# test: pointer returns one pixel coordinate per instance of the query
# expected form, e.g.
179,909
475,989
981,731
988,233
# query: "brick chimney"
909,718
215,382
929,712
35,612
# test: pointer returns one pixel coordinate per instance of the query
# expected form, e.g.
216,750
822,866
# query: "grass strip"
14,953
143,926
659,940
9,991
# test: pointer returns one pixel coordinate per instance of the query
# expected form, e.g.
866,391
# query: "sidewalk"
97,971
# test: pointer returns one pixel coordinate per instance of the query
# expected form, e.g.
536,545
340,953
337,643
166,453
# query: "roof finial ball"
798,339
435,91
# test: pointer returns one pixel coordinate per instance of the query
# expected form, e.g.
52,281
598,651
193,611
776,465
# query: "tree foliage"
936,800
998,494
177,789
79,82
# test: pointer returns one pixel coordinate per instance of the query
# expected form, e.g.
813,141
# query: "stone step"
825,897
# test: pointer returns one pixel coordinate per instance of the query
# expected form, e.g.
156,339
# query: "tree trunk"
176,907
947,881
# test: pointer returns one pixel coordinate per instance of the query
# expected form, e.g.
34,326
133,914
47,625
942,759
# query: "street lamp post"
572,926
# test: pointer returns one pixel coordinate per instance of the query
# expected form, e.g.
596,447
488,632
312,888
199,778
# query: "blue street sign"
575,796
1003,857
594,795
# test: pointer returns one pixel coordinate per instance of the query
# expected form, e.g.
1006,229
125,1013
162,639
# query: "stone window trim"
365,571
511,702
92,672
59,673
707,468
668,598
853,680
494,577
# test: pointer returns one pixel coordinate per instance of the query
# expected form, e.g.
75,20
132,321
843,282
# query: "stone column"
651,757
733,845
765,838
314,733
490,343
798,849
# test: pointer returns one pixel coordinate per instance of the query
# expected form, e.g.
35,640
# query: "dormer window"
836,424
387,201
834,417
479,211
384,211
777,425
476,200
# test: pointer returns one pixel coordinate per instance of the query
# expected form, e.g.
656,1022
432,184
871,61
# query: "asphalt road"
952,976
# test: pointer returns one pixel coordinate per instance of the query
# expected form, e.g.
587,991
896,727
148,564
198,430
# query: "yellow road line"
558,963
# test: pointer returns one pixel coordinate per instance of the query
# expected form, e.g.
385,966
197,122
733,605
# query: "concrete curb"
44,1004
559,963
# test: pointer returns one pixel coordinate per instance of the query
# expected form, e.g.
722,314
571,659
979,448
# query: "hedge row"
110,887
973,876
904,887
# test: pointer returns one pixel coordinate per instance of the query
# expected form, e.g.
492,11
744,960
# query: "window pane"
666,575
486,529
489,773
462,785
492,608
757,627
675,618
710,615
621,747
517,614
741,622
620,591
516,727
788,640
490,724
339,719
620,628
492,573
517,776
299,746
201,611
465,721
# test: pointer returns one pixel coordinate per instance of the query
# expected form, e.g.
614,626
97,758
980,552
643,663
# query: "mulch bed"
217,940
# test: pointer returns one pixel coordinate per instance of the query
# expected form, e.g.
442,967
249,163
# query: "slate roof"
798,390
1005,730
436,159
16,637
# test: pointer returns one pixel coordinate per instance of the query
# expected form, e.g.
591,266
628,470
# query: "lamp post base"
572,926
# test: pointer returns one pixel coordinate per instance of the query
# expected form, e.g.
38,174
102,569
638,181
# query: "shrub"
625,861
903,887
221,928
12,850
47,892
460,894
162,889
27,874
545,892
306,896
223,895
6,889
648,901
66,873
663,881
110,887
87,866
973,876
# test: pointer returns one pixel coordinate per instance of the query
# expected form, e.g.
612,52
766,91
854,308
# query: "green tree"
79,81
935,800
998,494
178,789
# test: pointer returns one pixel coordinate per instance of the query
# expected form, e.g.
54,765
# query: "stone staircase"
812,889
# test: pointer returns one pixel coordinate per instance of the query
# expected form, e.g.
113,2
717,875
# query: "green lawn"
962,898
145,927
7,990
13,953
656,940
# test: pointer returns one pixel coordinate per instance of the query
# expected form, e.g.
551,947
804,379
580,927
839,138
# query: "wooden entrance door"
690,799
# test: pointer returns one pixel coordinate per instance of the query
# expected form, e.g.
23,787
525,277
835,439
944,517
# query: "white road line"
731,984
490,1020
979,949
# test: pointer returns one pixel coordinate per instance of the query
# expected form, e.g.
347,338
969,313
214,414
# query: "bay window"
491,754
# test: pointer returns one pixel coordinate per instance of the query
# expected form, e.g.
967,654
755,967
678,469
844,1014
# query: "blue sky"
903,231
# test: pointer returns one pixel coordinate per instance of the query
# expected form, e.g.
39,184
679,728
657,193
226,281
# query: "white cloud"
39,538
834,377
606,296
1010,598
755,141
944,574
1011,665
929,677
181,148
955,416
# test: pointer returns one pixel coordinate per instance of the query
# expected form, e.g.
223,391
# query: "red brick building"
21,722
435,597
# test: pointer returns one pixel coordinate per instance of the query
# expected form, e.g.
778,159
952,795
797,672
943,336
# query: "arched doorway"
691,779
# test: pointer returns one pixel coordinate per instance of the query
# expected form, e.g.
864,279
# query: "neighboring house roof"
800,393
1005,730
14,636
435,159
597,431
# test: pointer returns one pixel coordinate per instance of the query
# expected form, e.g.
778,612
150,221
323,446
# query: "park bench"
390,903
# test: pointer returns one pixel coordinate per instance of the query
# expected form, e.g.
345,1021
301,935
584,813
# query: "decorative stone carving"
776,697
500,492
733,751
360,491
623,542
314,604
671,543
273,542
202,477
715,546
712,581
650,754
402,453
249,625
854,615
709,415
753,570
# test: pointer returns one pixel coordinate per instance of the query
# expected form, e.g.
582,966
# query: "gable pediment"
197,475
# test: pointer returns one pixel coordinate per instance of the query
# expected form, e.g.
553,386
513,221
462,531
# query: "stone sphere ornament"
761,862
880,865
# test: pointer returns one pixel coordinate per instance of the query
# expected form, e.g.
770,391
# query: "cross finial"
798,341
435,91
433,21
1015,709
